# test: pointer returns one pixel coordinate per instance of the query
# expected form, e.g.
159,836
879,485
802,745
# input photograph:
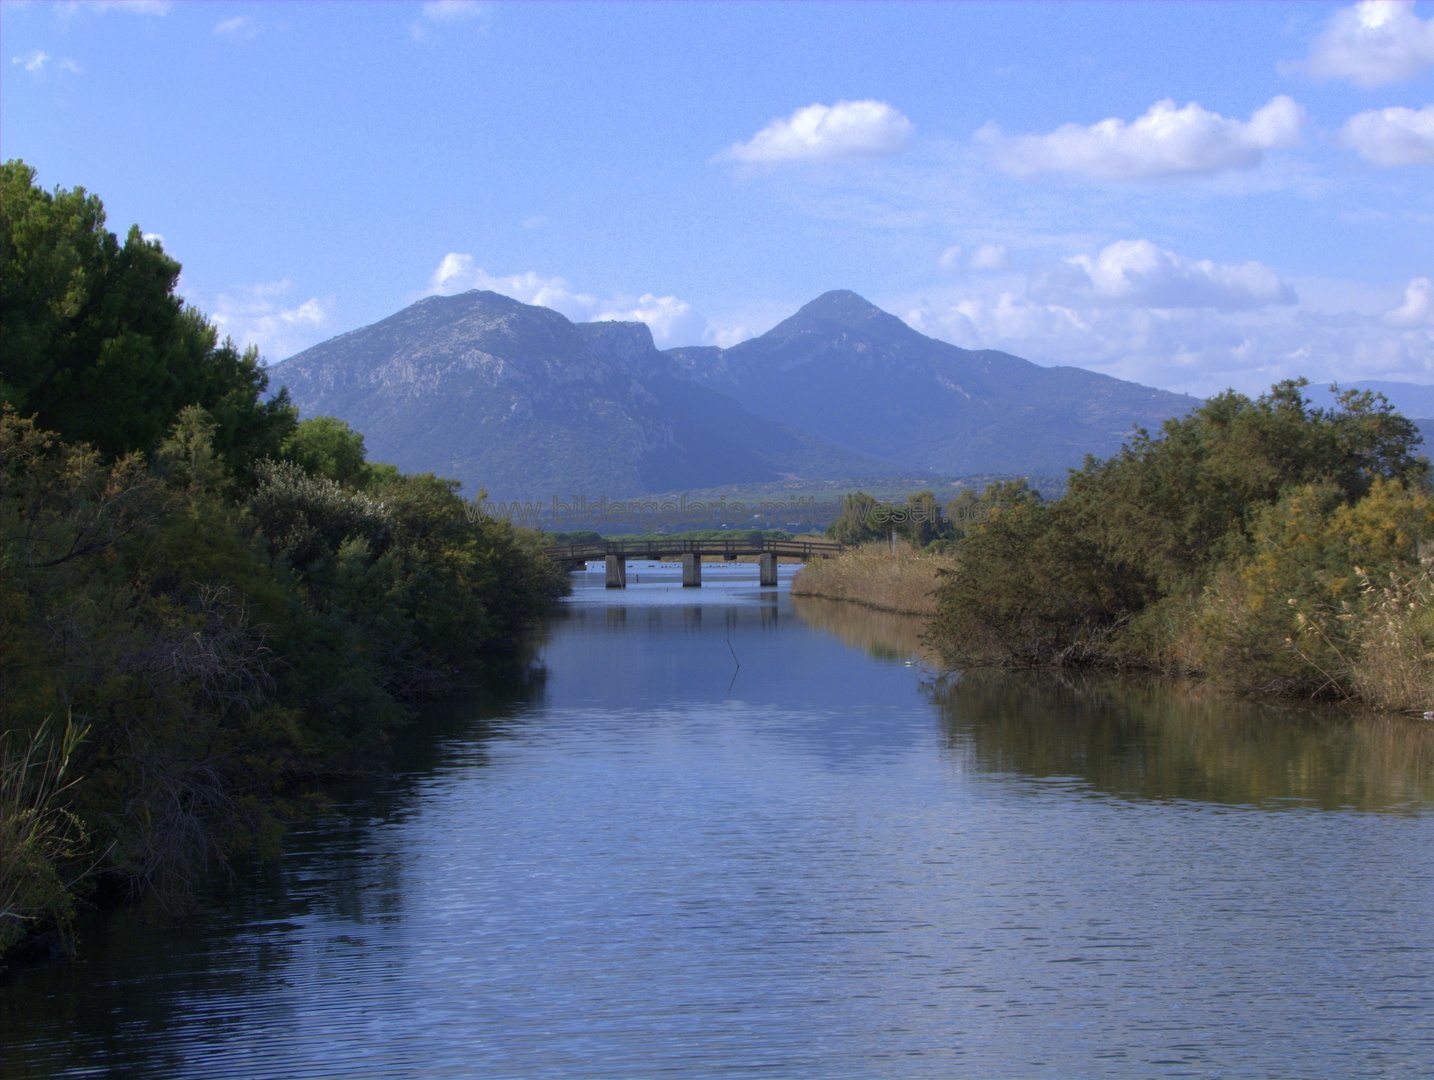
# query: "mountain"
522,401
1414,400
843,369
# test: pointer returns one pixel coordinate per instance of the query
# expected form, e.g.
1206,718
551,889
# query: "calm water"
641,859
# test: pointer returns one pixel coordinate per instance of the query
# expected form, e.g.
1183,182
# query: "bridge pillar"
691,570
616,572
767,562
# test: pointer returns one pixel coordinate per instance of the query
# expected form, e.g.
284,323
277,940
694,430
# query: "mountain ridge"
520,400
861,378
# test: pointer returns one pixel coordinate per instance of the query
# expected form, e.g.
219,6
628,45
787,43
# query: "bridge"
615,553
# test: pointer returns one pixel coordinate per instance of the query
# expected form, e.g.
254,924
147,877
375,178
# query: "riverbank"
1264,545
898,578
226,643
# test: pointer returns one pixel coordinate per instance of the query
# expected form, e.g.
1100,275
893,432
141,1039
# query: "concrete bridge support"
616,572
691,571
767,563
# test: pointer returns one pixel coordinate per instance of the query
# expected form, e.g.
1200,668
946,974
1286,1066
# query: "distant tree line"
204,602
922,521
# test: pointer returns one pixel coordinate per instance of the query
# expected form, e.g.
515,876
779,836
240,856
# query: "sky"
1193,196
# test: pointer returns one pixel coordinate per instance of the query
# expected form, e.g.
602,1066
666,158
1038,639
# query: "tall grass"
40,841
890,578
1383,645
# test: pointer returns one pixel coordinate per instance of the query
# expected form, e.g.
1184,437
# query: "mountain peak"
843,308
842,305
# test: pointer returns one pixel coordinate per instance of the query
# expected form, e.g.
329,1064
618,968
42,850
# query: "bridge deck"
668,546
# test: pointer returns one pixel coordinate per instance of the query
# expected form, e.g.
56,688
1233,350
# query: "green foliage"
1029,590
307,518
326,446
855,524
1180,503
1239,542
1309,556
921,522
221,651
42,844
97,347
225,602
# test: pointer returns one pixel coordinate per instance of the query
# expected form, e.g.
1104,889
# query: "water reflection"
882,635
1155,739
1160,740
150,985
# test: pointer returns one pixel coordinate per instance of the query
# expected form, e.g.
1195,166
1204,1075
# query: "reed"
1393,667
897,578
40,841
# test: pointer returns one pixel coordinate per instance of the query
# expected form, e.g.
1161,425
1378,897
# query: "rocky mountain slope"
523,402
845,370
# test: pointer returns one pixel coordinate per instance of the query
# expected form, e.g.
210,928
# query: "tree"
1178,503
94,343
328,447
854,525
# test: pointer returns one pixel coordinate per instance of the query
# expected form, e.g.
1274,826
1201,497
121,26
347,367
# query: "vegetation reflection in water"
882,635
1155,739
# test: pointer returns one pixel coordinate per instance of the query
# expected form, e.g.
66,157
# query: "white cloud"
1199,350
1390,137
241,26
67,11
1136,273
447,11
985,257
35,61
840,132
1165,142
991,257
256,315
1418,306
535,222
32,61
1371,44
725,337
152,238
456,274
672,321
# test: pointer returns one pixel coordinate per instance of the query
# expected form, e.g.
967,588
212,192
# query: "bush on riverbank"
230,602
1249,541
888,577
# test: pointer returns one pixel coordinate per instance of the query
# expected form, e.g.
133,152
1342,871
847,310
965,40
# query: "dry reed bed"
901,579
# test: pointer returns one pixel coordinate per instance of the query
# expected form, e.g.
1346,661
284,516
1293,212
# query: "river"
718,831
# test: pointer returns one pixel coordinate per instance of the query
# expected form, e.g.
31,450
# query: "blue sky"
1194,196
